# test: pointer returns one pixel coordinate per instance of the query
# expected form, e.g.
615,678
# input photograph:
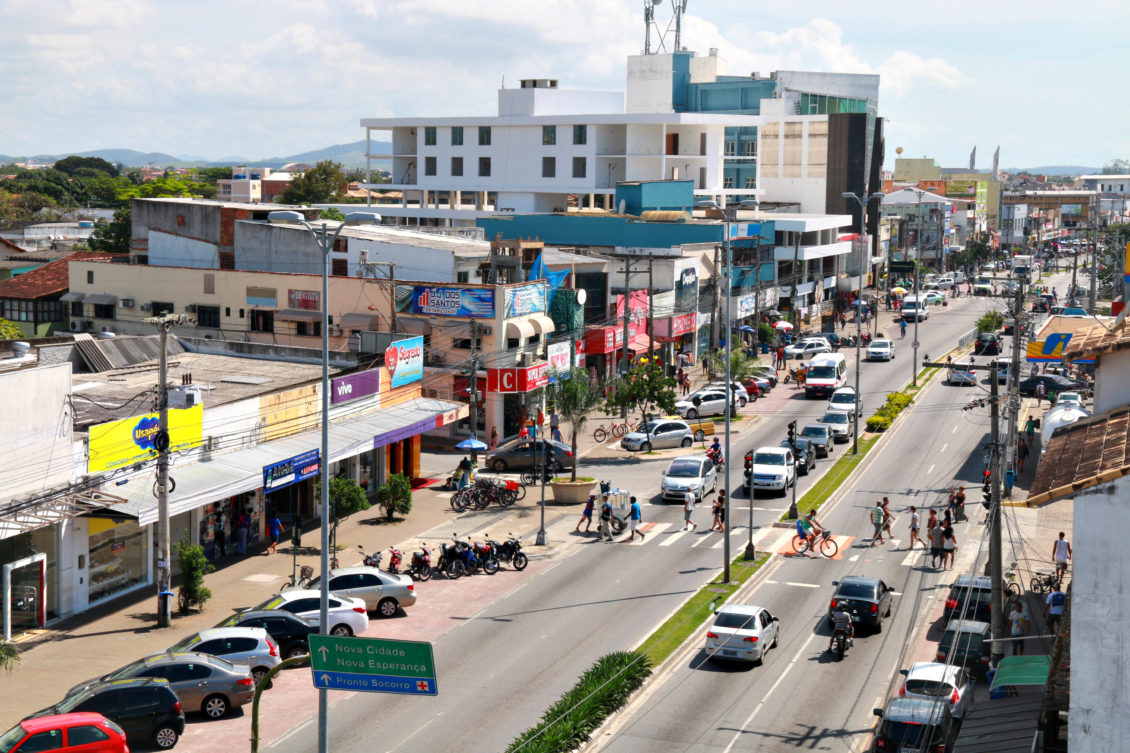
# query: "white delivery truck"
1021,266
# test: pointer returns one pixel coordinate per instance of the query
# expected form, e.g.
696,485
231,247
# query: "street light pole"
325,244
863,202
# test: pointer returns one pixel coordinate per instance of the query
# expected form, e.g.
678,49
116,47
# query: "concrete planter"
572,492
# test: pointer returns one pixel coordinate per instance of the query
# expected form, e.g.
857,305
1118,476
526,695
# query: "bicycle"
828,546
1012,588
305,575
616,429
1044,581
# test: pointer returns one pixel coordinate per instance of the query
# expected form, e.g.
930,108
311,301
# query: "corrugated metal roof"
1004,725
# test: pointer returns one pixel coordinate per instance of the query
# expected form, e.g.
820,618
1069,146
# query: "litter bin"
764,347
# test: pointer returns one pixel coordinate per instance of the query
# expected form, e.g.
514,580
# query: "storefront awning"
363,322
639,343
412,326
102,299
1022,670
231,473
542,324
44,508
520,328
298,315
73,297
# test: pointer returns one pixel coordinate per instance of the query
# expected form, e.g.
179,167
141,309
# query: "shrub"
878,423
193,567
346,496
600,692
9,656
396,495
991,321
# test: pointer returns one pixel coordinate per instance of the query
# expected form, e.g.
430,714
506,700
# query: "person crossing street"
688,509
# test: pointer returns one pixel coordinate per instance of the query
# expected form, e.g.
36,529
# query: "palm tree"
574,398
9,656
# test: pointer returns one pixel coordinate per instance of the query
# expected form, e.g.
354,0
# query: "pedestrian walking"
686,384
1061,553
243,525
586,514
1041,391
555,425
877,518
688,508
464,472
1021,454
494,437
1018,628
949,547
959,504
605,519
914,528
635,518
221,525
1053,609
780,357
274,528
888,518
951,504
716,511
720,498
1030,430
936,534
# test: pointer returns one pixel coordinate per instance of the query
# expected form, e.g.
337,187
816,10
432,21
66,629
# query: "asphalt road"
501,668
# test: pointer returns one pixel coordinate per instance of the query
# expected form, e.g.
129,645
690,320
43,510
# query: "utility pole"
914,345
627,315
1013,383
716,306
796,279
1094,252
996,572
161,443
651,301
474,389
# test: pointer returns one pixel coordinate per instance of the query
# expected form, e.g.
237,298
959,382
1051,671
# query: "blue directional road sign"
373,665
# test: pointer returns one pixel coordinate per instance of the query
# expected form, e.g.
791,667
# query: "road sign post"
372,665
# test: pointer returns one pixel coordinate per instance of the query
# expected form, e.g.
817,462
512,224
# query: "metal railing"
967,338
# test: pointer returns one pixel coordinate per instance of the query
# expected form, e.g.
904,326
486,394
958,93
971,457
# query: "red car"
752,389
83,732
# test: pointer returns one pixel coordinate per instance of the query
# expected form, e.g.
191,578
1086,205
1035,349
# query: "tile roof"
50,279
11,246
1097,340
1087,453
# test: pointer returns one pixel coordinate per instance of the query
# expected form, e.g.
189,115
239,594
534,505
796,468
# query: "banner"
1050,350
121,443
291,471
558,356
527,299
404,360
350,387
304,300
518,379
444,301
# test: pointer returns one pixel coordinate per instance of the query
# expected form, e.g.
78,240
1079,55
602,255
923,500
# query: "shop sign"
445,301
558,356
1050,349
291,471
121,443
520,379
744,230
525,299
579,354
605,339
404,360
305,300
350,387
747,305
675,326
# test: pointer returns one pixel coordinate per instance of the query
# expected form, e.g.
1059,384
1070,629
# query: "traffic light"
792,434
748,464
987,489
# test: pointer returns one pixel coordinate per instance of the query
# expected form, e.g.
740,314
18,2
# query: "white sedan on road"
807,347
935,681
881,350
347,615
742,632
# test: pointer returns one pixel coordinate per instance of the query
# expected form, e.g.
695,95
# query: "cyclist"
807,527
841,623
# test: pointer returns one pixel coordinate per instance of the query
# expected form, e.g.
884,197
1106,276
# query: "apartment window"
484,167
429,165
484,135
101,311
548,135
227,260
90,277
457,167
579,167
76,309
462,276
727,182
161,307
580,134
208,316
464,343
209,284
728,149
340,267
457,135
308,329
549,167
429,135
751,182
751,148
227,310
262,321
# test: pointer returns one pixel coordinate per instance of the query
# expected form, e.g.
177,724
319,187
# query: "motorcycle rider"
714,452
841,623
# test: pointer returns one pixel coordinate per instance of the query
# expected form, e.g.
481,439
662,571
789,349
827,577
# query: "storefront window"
117,557
26,587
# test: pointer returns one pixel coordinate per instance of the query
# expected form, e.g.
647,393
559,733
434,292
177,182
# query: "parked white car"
348,616
933,681
808,347
658,435
881,350
706,402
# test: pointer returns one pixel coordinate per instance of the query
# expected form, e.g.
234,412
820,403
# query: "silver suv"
242,646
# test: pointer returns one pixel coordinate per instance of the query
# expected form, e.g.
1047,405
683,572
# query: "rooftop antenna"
678,7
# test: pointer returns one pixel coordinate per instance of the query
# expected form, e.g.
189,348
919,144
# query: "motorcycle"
485,557
421,566
715,456
449,563
841,643
866,338
510,552
394,558
370,560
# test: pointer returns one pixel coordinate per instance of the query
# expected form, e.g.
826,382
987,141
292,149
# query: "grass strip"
830,481
688,619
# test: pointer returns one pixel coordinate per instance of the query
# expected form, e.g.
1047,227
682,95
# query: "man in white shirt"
688,507
1061,553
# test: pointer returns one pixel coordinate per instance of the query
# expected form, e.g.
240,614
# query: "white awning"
72,297
542,324
520,328
231,473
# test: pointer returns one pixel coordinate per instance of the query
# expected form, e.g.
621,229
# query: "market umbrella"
747,328
898,291
772,312
472,444
782,325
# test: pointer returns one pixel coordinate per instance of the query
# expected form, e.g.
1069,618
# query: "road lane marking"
912,557
802,585
702,538
930,469
745,725
944,448
954,430
853,558
673,537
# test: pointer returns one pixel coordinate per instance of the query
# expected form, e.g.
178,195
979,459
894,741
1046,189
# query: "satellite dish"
581,296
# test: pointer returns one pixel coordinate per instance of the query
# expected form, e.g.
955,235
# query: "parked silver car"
659,434
202,682
244,646
383,592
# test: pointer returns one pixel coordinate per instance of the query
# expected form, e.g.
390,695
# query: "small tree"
644,388
346,496
396,495
113,236
329,213
193,567
9,330
574,398
741,365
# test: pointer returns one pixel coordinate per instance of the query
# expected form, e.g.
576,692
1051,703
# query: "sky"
256,79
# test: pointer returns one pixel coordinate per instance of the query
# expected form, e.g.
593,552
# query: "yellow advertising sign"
121,443
1050,350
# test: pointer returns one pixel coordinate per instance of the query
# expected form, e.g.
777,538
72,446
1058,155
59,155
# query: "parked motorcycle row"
456,559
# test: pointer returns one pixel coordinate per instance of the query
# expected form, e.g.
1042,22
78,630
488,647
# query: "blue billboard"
291,471
525,299
405,361
443,301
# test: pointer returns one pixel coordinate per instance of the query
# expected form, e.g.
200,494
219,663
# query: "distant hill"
1073,170
349,155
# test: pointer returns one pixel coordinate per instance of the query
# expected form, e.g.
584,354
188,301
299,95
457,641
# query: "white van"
826,374
915,307
958,277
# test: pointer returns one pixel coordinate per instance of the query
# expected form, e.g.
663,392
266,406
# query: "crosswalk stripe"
912,557
701,538
648,529
672,538
737,535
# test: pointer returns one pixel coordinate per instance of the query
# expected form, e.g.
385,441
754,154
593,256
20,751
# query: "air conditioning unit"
526,359
335,330
190,308
76,326
146,307
125,303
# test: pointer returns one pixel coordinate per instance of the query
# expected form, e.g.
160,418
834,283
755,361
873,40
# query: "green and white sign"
373,665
